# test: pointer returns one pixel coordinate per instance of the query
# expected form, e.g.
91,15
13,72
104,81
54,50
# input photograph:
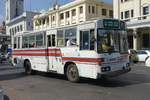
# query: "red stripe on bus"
37,54
30,54
44,50
87,60
95,60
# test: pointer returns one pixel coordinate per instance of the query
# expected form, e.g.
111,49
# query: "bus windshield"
111,41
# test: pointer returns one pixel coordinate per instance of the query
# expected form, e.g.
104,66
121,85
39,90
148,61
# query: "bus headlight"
106,69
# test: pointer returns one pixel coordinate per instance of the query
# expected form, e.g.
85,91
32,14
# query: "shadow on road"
11,76
121,81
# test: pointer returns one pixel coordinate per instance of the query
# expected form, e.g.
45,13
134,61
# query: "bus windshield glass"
111,41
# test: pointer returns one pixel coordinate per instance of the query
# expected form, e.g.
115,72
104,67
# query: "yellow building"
74,12
136,13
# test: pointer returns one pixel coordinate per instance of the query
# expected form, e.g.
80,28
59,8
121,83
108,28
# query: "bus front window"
107,41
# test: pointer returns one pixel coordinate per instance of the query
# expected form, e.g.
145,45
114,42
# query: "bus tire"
72,73
28,69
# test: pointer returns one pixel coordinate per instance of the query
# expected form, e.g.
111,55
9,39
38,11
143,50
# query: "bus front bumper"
114,73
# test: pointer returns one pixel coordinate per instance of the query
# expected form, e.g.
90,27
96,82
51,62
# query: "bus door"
54,54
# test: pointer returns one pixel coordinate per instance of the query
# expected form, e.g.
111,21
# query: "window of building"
10,31
61,16
18,29
127,14
43,21
47,20
132,13
74,12
146,10
121,15
111,13
146,40
89,9
53,18
21,28
121,1
93,9
81,9
67,14
104,12
15,30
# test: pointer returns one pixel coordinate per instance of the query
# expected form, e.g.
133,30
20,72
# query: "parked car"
142,55
133,56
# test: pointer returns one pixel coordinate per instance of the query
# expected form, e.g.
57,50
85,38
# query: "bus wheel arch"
28,68
71,72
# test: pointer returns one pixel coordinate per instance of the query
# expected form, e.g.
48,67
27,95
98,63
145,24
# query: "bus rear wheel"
28,69
72,73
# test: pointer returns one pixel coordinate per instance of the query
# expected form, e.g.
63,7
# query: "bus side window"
70,37
87,40
60,38
32,41
51,40
39,40
92,40
84,40
25,42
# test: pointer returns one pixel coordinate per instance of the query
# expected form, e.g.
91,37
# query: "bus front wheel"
28,69
72,73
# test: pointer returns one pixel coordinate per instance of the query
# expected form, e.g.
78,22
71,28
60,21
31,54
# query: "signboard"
113,24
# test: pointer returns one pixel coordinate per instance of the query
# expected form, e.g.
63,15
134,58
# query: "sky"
35,5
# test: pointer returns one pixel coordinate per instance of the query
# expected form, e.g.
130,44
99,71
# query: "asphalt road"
131,86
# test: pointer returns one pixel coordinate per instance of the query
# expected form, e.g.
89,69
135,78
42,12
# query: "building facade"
21,23
72,13
14,8
18,20
136,13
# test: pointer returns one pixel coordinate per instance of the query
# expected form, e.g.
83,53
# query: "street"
131,86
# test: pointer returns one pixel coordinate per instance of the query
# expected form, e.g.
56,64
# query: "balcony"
140,21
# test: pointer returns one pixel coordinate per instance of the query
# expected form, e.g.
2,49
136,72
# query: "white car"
142,55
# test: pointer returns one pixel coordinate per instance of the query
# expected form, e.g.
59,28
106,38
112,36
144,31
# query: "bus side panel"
39,63
87,70
86,61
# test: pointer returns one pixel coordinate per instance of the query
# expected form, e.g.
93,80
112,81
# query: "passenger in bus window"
33,45
70,42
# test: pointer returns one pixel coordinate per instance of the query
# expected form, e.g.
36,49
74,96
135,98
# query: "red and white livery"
92,49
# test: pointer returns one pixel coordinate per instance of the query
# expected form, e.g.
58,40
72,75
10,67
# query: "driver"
105,46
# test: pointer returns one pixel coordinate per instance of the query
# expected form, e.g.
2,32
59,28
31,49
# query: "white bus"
93,49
